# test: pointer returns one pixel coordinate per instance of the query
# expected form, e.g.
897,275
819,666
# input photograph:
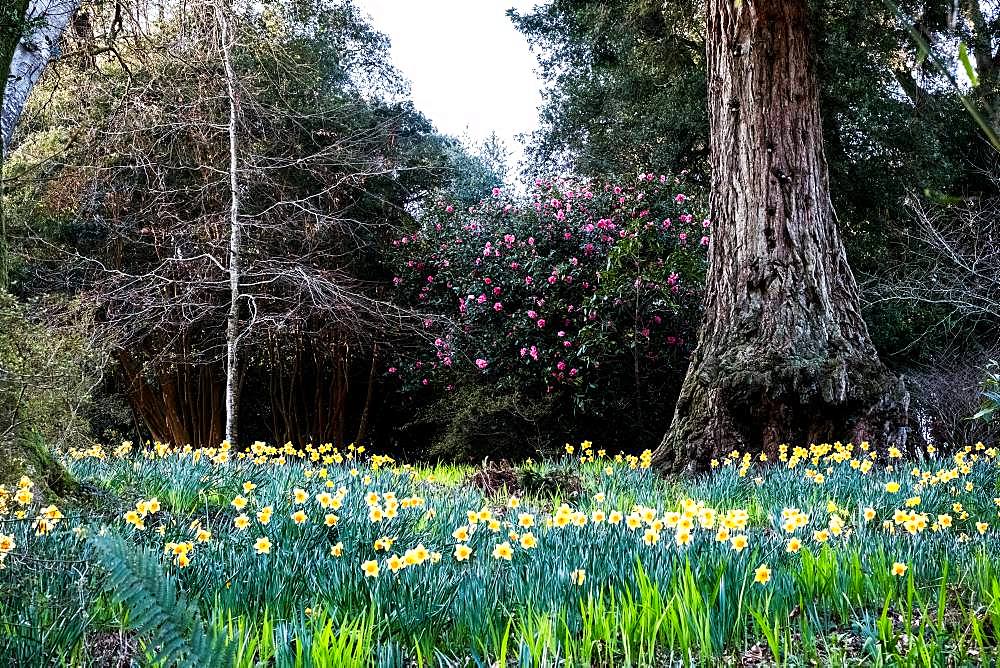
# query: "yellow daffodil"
503,551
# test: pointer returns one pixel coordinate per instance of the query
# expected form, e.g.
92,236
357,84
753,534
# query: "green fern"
171,628
990,393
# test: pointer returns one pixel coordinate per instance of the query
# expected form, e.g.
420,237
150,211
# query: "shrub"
583,297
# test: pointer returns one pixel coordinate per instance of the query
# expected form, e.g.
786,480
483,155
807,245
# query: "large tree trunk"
784,355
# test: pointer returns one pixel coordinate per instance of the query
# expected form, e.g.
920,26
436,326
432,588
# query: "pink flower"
393,369
481,363
532,314
541,322
449,208
498,307
496,192
704,241
681,197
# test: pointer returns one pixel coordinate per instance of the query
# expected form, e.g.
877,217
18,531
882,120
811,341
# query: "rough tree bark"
784,355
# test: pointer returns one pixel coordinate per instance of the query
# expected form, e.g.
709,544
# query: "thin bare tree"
235,250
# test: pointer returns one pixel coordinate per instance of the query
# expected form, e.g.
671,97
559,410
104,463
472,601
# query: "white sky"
471,72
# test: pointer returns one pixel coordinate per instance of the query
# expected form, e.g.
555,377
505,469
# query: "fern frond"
174,632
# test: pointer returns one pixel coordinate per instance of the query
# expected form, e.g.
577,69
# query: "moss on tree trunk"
30,457
784,355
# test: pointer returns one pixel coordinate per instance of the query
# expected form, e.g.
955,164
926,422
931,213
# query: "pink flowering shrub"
585,294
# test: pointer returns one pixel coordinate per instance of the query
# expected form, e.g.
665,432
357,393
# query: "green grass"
831,603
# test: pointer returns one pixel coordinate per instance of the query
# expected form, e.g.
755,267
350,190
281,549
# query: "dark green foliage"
172,628
563,483
475,420
625,86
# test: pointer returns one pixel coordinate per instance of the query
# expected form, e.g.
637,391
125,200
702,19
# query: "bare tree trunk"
784,355
232,399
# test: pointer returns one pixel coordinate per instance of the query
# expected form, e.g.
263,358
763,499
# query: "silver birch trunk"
233,320
45,22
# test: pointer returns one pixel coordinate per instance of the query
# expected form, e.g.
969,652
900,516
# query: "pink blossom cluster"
548,290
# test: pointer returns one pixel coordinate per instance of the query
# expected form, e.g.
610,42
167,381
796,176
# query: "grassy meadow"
834,555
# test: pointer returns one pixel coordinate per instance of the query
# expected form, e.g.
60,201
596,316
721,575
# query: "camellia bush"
580,299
